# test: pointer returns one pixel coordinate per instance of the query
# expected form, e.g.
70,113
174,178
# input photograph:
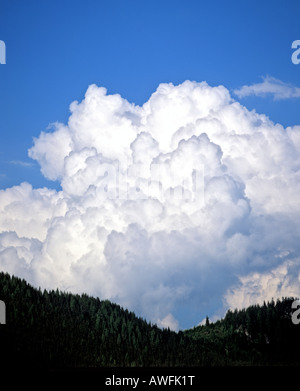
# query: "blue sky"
55,50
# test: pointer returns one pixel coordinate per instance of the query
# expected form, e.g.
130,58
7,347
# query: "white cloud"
255,288
162,206
168,322
272,86
50,150
30,212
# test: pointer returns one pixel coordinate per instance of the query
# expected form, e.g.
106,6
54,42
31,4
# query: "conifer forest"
54,329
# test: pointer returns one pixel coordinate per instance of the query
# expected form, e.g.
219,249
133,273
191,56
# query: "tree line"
54,329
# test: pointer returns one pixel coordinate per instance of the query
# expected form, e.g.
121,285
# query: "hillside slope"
53,329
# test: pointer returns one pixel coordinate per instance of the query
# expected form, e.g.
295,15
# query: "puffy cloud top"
166,208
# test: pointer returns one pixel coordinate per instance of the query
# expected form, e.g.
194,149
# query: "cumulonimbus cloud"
170,209
269,86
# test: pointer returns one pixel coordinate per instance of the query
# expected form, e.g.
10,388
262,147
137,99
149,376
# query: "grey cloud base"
190,201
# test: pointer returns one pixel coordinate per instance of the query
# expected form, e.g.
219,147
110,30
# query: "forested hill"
52,329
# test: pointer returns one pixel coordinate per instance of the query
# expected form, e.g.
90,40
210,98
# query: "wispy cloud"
21,163
270,86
